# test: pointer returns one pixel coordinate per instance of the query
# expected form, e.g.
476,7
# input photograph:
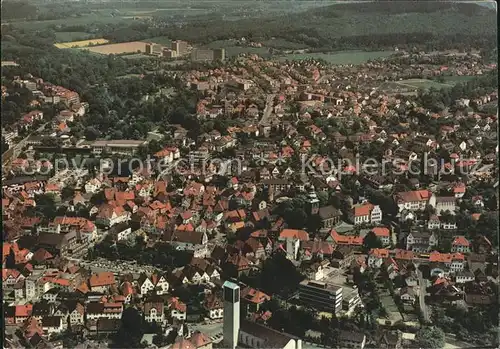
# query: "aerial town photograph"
274,174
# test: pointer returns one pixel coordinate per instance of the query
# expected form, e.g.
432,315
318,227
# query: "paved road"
267,110
421,296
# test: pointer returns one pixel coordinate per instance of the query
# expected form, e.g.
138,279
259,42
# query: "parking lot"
100,265
212,329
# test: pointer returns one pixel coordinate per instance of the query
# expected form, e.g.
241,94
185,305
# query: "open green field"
457,79
234,50
160,40
72,36
348,57
423,83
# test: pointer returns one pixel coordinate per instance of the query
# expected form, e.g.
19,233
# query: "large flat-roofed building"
220,54
321,295
167,53
253,335
350,298
202,55
153,49
179,46
124,146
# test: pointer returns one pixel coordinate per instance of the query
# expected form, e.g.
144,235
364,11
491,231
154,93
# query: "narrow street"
421,296
267,110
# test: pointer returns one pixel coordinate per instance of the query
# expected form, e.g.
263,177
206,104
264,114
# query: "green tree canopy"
430,337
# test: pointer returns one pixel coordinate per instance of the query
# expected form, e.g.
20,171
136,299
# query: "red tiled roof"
294,233
346,239
102,279
381,231
23,310
445,257
254,296
460,241
379,252
404,254
363,210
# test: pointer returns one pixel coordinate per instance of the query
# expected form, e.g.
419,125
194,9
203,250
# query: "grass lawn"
457,79
347,57
71,36
423,83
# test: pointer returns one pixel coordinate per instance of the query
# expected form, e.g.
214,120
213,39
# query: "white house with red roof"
460,244
367,213
412,200
383,234
376,257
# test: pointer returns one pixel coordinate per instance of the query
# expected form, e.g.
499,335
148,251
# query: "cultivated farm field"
121,48
83,43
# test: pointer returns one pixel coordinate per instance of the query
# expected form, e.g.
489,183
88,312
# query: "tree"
67,192
323,198
371,241
10,262
91,134
431,337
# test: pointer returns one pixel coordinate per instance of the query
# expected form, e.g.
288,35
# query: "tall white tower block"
231,327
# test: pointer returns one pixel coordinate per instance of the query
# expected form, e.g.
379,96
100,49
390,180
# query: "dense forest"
370,26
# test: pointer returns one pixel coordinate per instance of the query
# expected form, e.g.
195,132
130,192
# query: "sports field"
83,43
423,83
124,47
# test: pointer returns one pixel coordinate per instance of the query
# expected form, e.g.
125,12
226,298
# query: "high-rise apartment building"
231,326
179,46
220,54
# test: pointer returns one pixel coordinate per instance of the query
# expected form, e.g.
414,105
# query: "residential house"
376,257
407,295
460,244
367,213
412,200
330,216
109,215
421,241
383,234
145,284
97,310
453,261
177,309
347,240
154,311
52,325
464,276
102,281
352,339
253,299
443,204
214,306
